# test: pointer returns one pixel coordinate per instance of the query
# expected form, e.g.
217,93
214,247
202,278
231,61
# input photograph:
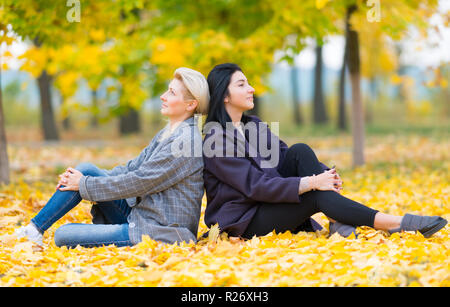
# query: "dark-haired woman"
247,196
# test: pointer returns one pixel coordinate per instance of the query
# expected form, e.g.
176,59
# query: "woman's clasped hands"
70,180
328,180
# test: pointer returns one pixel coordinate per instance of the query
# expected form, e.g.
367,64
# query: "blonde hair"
196,87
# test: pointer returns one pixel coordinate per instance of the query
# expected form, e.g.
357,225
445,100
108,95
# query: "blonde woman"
157,194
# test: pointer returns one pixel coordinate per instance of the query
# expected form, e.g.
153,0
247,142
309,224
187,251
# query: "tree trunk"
357,107
446,94
319,112
373,99
400,95
296,96
357,121
129,122
66,122
4,162
47,119
94,119
342,115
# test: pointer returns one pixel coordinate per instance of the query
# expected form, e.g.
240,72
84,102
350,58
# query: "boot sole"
433,228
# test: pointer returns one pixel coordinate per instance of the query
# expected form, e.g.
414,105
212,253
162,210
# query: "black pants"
301,161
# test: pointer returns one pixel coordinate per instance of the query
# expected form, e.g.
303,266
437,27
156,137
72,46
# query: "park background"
364,83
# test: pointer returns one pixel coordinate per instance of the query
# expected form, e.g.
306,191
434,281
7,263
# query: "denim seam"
37,227
106,242
125,231
100,243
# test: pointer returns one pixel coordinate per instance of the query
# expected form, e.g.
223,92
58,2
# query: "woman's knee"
302,151
62,235
301,148
87,169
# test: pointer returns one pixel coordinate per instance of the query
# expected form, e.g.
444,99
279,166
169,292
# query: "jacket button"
132,225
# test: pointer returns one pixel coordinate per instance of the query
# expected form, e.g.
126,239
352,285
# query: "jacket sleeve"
271,137
283,151
324,167
154,175
243,176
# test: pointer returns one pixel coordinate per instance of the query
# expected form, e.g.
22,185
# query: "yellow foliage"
67,83
35,61
396,79
416,181
97,35
170,54
321,3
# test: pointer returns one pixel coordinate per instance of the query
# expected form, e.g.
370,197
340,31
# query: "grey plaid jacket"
163,185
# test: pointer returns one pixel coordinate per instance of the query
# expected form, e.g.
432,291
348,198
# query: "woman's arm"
328,180
154,175
244,177
71,178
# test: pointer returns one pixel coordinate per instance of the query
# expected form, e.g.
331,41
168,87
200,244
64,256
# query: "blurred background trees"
102,62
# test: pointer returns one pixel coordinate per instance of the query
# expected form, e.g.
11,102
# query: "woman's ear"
192,105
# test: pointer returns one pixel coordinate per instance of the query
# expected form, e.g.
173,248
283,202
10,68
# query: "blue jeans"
112,214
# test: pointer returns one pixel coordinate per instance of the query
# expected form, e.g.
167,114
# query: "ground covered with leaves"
407,174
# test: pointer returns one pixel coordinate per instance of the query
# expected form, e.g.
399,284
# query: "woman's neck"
235,115
175,122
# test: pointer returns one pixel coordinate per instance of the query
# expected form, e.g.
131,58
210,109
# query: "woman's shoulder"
187,129
215,129
250,118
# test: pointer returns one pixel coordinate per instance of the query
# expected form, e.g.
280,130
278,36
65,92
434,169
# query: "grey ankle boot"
426,225
342,229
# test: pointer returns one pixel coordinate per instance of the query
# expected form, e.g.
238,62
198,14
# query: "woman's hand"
70,180
327,181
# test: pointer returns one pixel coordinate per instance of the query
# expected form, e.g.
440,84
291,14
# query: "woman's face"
240,93
174,104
